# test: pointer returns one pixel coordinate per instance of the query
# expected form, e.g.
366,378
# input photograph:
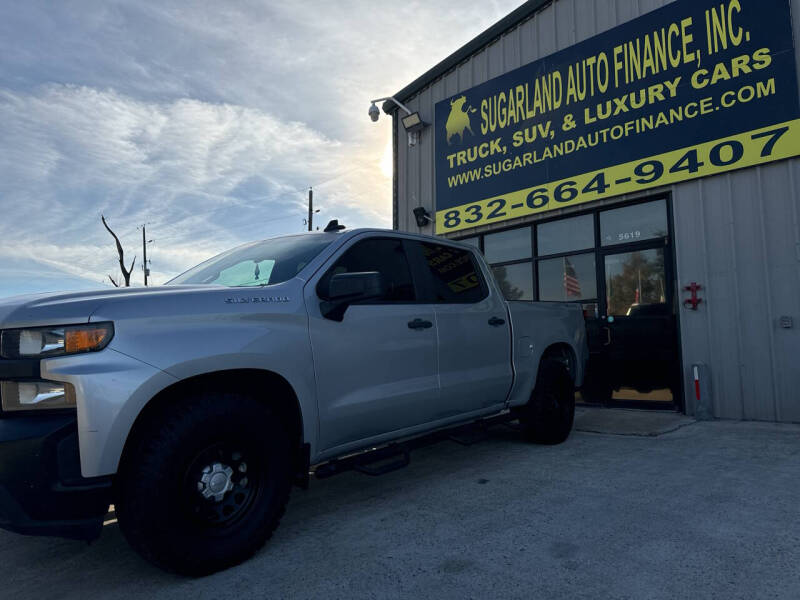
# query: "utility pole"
144,254
310,209
145,262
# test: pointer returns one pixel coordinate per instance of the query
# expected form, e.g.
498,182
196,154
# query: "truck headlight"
44,342
36,395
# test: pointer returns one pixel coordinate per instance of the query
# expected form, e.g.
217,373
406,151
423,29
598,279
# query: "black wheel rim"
556,401
217,464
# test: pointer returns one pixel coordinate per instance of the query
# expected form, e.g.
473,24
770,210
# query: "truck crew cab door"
375,369
475,371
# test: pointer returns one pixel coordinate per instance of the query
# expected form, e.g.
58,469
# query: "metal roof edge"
508,22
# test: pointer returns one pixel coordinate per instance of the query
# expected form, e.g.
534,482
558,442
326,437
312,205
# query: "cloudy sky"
206,120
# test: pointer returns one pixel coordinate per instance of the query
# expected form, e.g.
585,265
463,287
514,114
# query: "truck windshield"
257,264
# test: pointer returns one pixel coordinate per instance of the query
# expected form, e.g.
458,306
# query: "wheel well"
563,353
247,381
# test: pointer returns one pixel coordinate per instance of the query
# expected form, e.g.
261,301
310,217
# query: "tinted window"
455,276
258,264
634,223
567,278
514,244
387,257
565,235
636,283
515,281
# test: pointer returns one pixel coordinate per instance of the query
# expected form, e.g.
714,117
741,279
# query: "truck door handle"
419,324
496,322
608,336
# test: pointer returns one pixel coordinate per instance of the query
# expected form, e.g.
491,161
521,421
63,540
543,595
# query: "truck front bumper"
42,491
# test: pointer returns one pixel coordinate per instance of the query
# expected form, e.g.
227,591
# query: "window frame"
426,277
651,244
513,260
537,254
588,300
599,227
598,249
418,291
514,263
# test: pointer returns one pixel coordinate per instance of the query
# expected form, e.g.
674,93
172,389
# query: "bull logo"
458,119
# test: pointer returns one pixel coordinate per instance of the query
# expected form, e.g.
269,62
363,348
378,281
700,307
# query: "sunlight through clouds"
207,124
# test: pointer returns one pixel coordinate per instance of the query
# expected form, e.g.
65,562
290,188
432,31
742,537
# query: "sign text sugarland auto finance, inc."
695,88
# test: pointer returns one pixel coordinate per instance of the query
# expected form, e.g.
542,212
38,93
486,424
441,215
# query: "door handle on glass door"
608,336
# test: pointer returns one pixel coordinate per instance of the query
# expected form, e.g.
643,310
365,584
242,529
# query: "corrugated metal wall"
737,234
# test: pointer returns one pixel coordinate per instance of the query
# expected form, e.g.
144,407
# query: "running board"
391,462
375,462
397,455
466,435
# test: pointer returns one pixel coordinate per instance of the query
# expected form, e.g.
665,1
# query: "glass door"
617,264
633,340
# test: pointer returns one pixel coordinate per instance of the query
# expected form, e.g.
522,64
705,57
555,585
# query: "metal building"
679,233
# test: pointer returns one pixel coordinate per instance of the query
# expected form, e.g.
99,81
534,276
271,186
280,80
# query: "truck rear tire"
206,483
548,416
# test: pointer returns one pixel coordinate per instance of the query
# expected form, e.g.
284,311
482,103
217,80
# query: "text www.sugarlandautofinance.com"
665,118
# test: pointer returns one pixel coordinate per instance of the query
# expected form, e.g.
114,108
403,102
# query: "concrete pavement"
711,509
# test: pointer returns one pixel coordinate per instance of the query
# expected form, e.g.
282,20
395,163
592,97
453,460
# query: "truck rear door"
474,350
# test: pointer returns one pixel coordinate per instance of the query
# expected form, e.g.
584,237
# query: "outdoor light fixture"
422,216
412,122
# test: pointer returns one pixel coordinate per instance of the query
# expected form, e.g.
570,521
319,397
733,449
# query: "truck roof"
359,230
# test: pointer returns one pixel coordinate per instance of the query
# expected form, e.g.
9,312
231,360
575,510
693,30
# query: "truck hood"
63,308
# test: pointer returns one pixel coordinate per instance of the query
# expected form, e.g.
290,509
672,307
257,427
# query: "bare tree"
126,273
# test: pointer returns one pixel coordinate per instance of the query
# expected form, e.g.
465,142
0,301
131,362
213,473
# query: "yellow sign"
742,150
694,88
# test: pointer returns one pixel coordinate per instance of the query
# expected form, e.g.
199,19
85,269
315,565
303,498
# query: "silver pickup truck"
196,406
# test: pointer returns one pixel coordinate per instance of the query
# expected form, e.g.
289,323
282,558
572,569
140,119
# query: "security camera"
374,112
422,216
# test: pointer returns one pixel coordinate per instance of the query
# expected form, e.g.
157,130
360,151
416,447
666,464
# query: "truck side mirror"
345,289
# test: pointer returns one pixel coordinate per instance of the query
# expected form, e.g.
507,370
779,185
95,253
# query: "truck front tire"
548,416
206,482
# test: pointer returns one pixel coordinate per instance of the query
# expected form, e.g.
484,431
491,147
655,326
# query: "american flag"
572,286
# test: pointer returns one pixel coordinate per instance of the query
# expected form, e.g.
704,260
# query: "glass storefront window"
635,283
515,281
567,278
633,223
472,241
565,235
514,244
